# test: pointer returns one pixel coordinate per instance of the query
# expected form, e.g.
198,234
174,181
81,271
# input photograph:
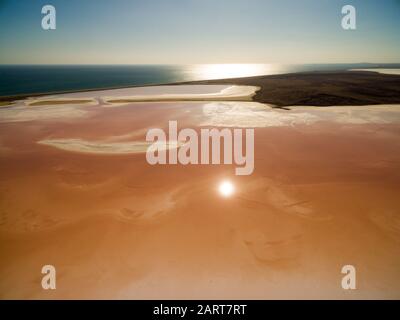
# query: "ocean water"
29,79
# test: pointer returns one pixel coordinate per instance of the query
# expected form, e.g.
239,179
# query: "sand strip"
103,147
382,71
253,115
23,113
51,102
235,93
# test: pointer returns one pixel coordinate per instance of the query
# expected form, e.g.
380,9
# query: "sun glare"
222,71
226,189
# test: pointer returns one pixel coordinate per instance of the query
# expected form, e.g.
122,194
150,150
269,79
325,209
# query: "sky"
199,31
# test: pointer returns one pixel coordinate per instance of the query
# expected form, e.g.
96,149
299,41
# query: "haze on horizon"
192,31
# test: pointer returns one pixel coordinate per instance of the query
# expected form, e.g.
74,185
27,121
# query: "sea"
33,79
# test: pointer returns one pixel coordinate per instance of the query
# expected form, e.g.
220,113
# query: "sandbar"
380,70
235,93
59,102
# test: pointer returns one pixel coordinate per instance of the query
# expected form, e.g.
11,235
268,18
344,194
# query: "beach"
78,193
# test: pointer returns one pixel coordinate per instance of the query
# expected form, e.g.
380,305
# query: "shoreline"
318,88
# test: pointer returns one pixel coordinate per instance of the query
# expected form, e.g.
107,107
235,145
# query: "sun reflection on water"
222,71
226,189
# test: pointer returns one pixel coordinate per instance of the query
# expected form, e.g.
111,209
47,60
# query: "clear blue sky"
199,31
